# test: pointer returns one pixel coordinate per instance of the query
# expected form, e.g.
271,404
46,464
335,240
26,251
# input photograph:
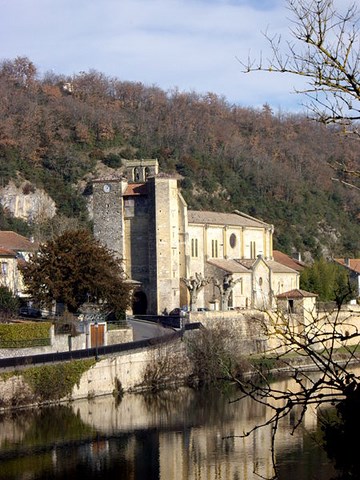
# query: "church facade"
176,257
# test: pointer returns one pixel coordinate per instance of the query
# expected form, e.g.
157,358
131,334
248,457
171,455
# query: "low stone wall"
246,325
134,370
122,335
66,343
125,372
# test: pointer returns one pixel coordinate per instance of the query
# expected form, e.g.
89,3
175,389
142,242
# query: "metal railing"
95,352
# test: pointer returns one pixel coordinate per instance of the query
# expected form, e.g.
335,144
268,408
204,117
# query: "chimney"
347,261
297,256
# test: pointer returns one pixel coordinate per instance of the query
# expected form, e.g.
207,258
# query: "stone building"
14,250
178,257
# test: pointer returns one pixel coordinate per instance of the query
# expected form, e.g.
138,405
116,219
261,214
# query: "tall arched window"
136,174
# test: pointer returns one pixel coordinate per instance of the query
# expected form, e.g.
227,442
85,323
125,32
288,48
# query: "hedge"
21,335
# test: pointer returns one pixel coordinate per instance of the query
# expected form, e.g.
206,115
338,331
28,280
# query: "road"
144,329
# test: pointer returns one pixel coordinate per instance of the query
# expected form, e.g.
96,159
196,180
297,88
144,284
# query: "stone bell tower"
108,213
139,218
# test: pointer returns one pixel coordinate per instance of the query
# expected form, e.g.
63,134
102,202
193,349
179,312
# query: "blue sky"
192,45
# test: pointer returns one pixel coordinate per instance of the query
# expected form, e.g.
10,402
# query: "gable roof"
5,252
13,241
231,266
296,293
219,218
288,261
351,263
280,267
245,265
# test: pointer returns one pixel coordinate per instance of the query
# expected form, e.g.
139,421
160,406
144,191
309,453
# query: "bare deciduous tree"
194,284
226,287
325,50
326,343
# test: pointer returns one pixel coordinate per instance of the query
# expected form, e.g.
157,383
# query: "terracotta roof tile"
16,242
280,267
351,263
135,189
288,261
5,252
296,293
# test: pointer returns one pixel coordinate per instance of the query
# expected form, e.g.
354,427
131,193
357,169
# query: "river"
180,434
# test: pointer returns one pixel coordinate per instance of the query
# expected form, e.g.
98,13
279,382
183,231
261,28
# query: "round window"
232,240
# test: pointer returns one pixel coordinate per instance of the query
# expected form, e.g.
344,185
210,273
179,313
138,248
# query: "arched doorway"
139,303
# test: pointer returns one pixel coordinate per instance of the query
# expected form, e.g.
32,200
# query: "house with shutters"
178,257
14,250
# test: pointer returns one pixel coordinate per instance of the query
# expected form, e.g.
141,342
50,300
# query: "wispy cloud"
189,44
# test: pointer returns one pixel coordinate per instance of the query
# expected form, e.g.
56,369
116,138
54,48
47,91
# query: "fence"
33,360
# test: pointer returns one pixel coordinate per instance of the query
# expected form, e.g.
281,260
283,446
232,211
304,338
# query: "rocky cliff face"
26,202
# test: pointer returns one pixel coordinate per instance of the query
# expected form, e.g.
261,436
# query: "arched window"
139,303
136,174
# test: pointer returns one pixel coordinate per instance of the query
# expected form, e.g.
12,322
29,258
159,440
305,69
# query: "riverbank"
144,370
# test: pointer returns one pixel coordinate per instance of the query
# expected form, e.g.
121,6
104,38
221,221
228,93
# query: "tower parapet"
139,170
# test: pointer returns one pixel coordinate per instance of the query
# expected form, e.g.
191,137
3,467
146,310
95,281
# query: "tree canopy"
330,281
74,268
275,166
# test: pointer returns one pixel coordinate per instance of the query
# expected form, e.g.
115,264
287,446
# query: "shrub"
9,303
53,382
214,354
21,335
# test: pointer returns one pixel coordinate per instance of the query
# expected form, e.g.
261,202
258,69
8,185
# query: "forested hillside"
55,130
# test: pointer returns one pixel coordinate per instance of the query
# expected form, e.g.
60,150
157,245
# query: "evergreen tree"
9,304
330,281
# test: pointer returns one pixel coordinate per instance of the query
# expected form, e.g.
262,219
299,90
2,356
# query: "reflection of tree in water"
202,425
55,423
57,444
289,455
340,426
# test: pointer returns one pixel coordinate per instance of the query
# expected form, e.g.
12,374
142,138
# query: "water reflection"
177,435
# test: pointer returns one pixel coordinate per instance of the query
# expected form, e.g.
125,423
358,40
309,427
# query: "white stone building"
14,250
168,250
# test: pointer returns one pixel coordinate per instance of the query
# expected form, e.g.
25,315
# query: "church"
176,257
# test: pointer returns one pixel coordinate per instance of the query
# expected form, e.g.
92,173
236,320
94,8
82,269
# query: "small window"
136,174
231,300
252,250
129,207
214,248
291,306
194,247
233,240
4,268
241,286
